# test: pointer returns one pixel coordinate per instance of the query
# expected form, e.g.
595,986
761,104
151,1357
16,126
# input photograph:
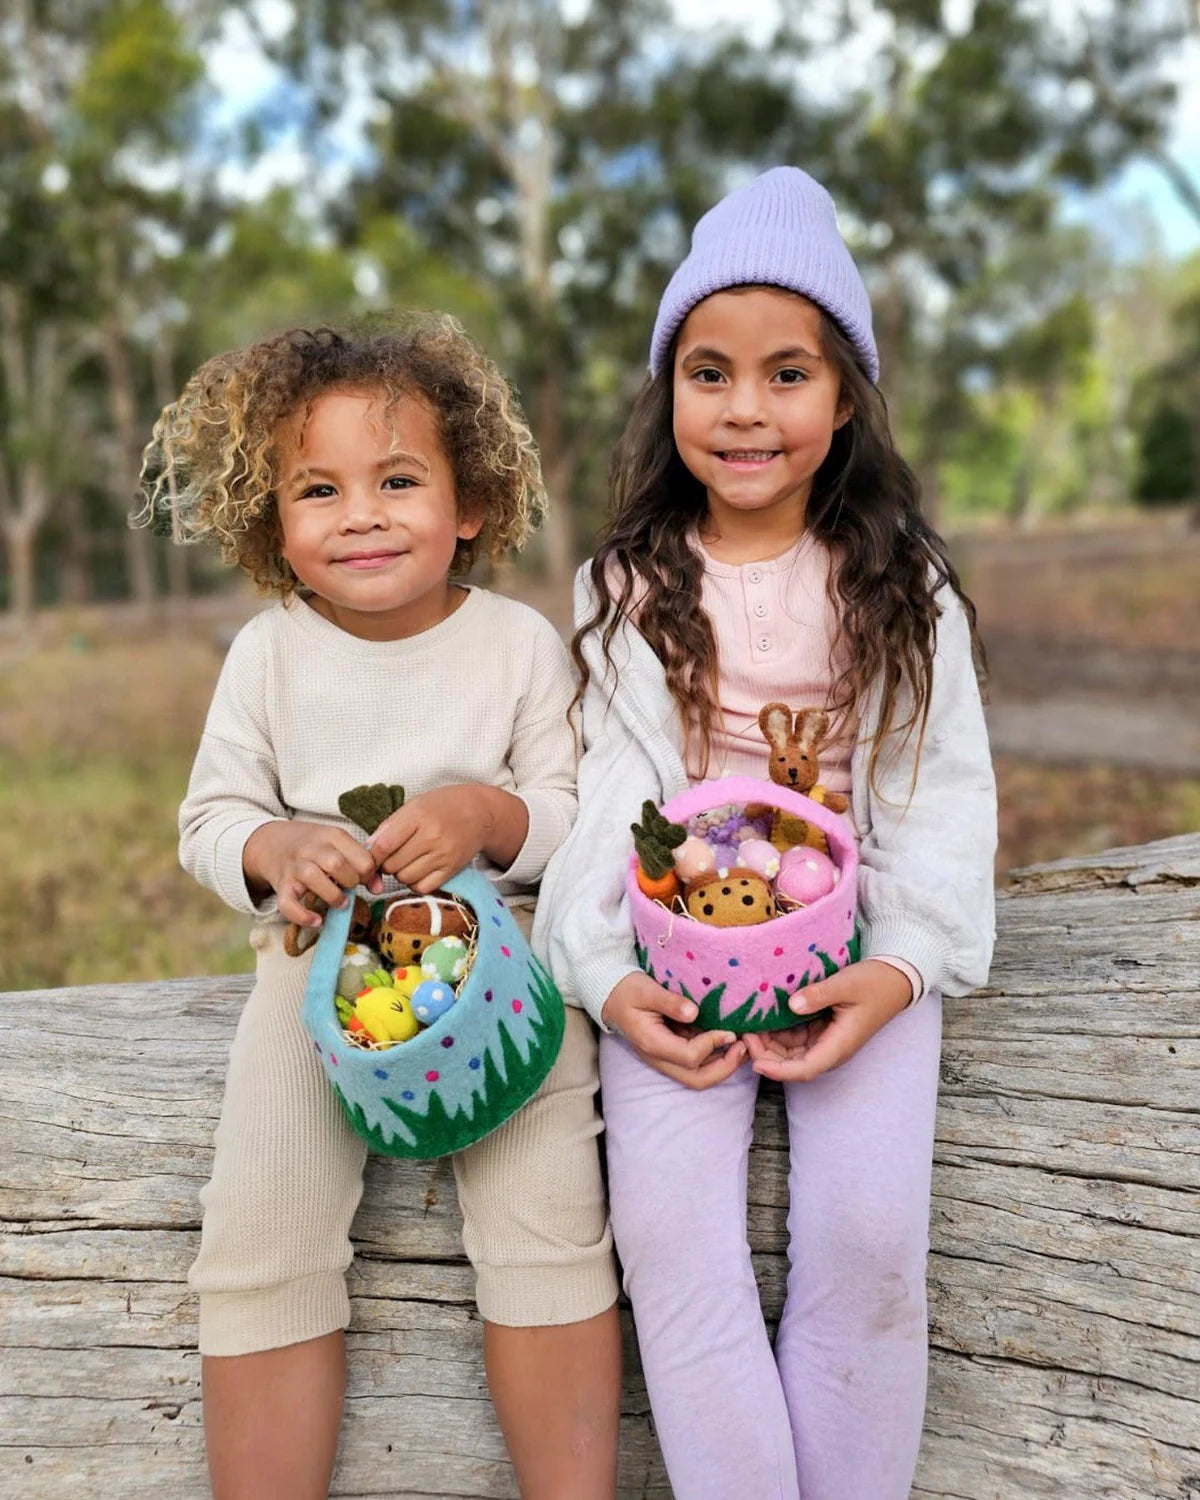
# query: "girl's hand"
297,859
642,1012
435,835
861,999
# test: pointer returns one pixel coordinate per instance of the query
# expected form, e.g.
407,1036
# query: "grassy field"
98,726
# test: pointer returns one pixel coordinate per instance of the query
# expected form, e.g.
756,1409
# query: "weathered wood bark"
1065,1274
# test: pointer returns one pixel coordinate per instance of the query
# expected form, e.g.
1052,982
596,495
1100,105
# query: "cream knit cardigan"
925,882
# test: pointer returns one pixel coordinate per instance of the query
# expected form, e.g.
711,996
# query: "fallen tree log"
1064,1276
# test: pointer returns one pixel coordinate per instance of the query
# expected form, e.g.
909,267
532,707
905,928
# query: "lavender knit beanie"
779,230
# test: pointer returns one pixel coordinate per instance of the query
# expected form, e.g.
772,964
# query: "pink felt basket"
742,977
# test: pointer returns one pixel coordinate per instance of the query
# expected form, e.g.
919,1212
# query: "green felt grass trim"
750,1016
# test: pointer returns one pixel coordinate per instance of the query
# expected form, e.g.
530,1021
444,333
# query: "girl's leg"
852,1346
677,1164
535,1227
287,1177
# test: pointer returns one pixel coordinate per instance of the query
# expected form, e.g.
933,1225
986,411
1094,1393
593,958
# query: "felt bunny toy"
793,763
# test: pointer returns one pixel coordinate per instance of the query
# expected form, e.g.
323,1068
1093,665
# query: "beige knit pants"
287,1178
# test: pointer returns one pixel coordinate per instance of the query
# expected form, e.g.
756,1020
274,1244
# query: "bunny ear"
811,724
775,721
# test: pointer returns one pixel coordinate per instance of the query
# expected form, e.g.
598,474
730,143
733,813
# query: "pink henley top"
778,641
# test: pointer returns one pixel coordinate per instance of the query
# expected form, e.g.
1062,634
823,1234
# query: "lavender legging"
835,1412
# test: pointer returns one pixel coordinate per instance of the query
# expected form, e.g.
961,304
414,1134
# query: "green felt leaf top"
654,838
369,805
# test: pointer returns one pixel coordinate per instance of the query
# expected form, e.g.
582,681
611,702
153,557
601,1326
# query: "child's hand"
295,858
640,1011
435,835
862,998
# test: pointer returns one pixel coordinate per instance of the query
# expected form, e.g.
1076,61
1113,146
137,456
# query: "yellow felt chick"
385,1014
406,980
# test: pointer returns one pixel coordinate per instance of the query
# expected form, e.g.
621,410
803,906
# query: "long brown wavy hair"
211,468
888,563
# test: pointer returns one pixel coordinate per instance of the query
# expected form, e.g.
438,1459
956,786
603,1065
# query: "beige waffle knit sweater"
303,711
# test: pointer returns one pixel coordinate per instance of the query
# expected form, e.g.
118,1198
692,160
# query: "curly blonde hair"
211,468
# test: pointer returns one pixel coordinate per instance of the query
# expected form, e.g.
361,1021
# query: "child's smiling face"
368,514
756,404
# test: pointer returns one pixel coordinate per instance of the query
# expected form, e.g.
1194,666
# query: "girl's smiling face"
756,404
368,514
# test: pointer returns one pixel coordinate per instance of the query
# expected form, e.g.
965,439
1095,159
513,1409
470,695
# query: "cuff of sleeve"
546,831
596,978
230,875
925,951
912,975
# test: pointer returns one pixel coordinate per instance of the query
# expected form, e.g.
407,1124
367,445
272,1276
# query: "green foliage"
1167,469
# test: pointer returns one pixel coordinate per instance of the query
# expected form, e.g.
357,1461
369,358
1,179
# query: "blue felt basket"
459,1079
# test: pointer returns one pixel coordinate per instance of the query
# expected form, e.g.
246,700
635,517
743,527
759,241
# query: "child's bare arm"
292,858
432,837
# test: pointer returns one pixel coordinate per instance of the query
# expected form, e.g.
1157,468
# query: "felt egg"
385,1015
357,962
759,856
805,875
445,960
431,999
694,858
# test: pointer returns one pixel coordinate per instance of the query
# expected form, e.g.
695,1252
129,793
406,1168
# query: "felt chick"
383,1009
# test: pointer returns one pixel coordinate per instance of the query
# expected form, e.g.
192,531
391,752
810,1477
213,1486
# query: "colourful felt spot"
499,902
763,986
791,979
474,1063
432,1076
380,1073
812,947
689,956
487,995
317,1045
779,953
706,980
333,1059
506,951
408,1094
733,963
447,1041
517,1006
497,921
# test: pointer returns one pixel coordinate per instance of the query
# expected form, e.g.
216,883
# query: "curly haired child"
766,544
354,476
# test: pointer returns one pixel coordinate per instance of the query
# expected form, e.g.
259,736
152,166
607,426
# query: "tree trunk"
75,556
557,468
178,572
122,394
19,537
1063,1290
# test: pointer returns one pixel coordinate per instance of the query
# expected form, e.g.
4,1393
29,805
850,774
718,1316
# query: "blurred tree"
553,152
950,140
95,102
1167,404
